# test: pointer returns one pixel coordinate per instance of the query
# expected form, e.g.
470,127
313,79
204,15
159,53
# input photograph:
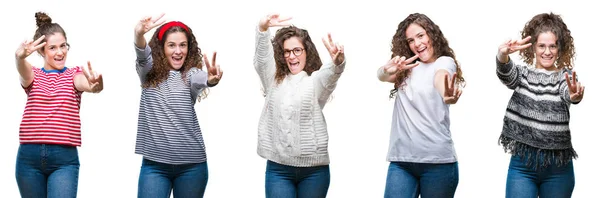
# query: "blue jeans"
553,181
406,179
158,179
47,170
282,181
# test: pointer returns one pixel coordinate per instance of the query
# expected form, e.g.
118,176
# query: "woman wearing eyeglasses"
292,133
47,160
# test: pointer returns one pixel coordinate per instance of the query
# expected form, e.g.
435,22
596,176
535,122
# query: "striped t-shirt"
51,114
168,130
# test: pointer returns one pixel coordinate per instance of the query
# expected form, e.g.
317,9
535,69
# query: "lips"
177,60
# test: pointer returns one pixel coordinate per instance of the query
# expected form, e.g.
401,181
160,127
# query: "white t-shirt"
421,120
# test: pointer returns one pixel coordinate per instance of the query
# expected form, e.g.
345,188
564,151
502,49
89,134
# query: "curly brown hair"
439,43
313,61
46,27
549,22
160,63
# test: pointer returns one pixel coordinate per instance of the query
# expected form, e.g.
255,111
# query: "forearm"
25,71
385,77
139,40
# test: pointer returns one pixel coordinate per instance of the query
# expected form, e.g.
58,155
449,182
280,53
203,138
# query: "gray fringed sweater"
536,124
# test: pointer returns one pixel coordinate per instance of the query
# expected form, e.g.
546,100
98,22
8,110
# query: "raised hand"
94,79
575,88
451,93
398,64
512,46
213,69
273,20
147,23
336,51
28,47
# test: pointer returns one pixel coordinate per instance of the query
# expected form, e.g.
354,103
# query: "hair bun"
42,19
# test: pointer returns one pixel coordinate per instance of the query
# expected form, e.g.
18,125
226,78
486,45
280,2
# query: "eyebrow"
418,33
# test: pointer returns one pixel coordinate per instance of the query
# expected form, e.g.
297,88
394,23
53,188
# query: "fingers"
410,66
158,17
214,59
524,40
574,78
38,40
37,47
206,63
453,81
446,84
412,59
458,94
520,47
568,82
327,45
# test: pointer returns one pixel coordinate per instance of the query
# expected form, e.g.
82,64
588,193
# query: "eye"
52,47
171,45
297,50
420,36
411,41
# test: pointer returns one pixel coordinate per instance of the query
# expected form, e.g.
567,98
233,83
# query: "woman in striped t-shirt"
47,160
536,124
169,137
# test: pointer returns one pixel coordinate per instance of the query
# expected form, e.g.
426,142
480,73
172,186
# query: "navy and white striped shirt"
168,130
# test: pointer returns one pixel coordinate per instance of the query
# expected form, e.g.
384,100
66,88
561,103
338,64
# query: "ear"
41,51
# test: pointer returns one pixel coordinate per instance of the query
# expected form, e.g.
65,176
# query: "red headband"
165,27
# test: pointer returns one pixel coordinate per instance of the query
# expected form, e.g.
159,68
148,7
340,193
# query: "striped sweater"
51,114
536,124
292,129
168,130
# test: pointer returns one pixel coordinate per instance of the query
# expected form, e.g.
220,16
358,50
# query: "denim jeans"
282,181
158,179
553,181
408,180
47,170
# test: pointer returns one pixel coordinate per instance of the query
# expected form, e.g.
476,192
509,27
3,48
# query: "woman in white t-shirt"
421,151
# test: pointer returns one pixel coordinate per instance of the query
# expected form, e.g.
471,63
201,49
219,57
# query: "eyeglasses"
64,47
297,52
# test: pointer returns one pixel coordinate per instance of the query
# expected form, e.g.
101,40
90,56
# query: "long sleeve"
326,80
143,62
508,73
198,81
264,61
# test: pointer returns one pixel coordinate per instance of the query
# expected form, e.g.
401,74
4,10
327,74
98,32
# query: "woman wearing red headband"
169,136
47,160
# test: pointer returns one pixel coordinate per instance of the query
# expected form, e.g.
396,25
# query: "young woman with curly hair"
169,136
292,133
536,124
50,132
421,151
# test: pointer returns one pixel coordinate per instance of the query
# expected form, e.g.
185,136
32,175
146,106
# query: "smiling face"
419,43
55,52
176,49
294,53
546,51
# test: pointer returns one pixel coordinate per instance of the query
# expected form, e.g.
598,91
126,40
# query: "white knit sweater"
292,129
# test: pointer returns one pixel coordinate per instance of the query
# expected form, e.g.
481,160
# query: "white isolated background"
358,117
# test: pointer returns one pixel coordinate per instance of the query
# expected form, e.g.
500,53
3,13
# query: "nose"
60,51
292,55
547,50
178,50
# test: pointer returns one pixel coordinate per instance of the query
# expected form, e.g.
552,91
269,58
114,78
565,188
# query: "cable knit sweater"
292,129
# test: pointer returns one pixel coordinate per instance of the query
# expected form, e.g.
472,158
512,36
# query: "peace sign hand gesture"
398,64
28,47
214,70
575,88
273,20
94,79
512,46
147,23
336,51
451,93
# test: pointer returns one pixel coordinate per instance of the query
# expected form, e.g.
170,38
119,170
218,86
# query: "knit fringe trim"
537,158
